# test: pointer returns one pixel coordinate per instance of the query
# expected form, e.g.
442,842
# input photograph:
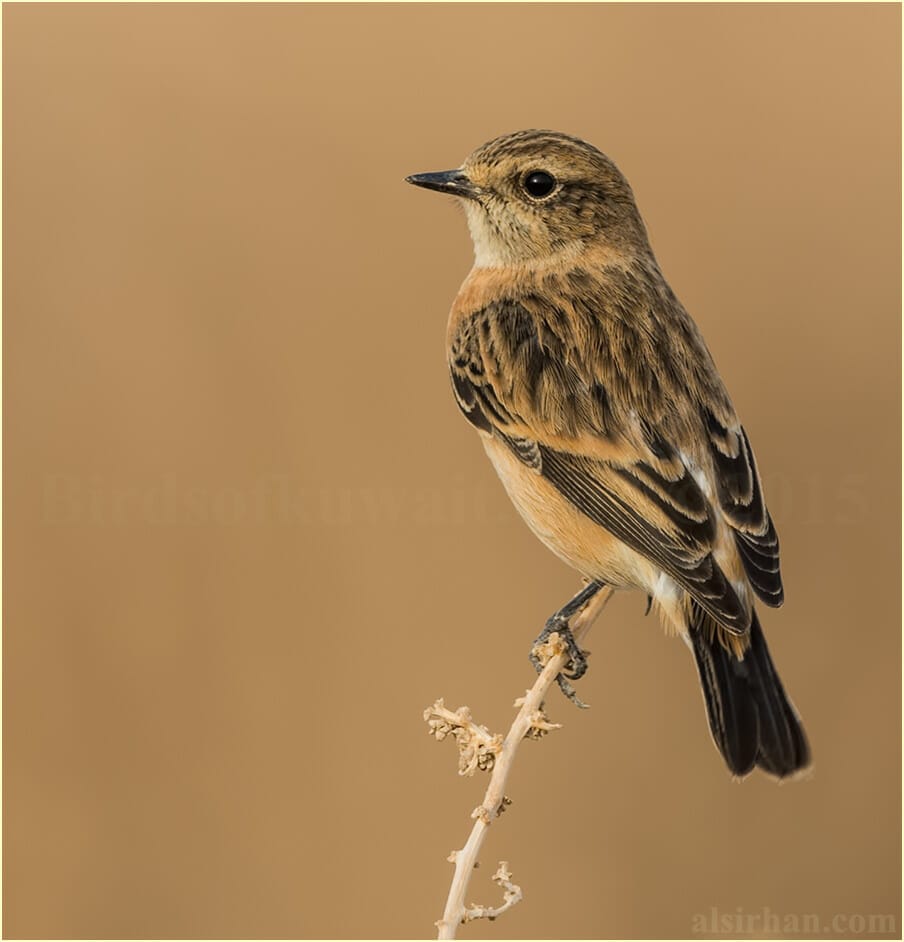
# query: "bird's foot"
577,658
560,624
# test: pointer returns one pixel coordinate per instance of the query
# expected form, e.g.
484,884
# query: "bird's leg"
559,624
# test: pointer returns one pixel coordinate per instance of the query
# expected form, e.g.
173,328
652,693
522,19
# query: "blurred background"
248,538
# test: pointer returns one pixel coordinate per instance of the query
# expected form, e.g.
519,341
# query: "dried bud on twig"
477,747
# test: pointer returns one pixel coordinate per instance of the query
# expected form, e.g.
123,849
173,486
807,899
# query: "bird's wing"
665,518
516,382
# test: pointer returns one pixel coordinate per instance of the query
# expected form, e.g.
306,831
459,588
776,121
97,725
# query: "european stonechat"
604,415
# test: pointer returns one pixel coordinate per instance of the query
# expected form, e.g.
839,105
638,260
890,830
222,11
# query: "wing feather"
742,503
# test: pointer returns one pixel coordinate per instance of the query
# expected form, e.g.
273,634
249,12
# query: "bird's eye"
539,183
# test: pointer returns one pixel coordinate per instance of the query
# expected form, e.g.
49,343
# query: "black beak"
453,182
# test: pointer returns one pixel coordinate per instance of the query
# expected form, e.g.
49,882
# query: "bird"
603,413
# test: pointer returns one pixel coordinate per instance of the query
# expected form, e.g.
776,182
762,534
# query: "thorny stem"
494,800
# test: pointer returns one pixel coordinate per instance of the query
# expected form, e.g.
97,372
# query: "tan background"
248,538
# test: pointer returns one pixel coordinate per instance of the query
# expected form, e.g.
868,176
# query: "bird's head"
534,195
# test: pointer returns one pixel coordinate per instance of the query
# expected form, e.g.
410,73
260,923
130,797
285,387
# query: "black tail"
752,721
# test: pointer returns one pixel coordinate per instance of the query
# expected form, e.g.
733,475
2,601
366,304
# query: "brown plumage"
603,413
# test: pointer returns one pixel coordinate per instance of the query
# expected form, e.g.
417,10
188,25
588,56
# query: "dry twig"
478,749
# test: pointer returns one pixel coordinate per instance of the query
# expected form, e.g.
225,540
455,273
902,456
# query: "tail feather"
751,718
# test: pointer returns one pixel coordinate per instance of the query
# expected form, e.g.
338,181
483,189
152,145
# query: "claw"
569,692
577,664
